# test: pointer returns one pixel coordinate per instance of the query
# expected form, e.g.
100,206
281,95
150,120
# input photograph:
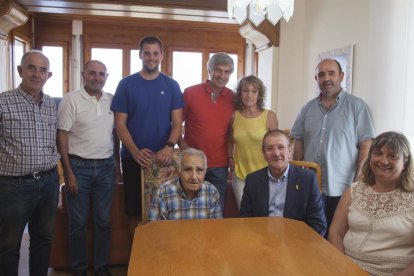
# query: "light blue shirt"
277,194
331,138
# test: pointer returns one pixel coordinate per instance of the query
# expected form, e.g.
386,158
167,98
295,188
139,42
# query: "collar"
207,89
27,95
283,178
88,97
341,95
181,193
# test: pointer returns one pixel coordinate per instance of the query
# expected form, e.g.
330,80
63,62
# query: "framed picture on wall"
344,56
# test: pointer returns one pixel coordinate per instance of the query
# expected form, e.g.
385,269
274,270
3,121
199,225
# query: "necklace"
213,97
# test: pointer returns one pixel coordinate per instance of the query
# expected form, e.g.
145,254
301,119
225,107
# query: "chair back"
151,180
312,166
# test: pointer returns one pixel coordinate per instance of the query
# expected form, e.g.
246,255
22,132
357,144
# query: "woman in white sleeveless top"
374,221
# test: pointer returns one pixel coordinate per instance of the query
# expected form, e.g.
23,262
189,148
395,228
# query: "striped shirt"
27,133
171,203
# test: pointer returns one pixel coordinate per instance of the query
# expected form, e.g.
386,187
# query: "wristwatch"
170,144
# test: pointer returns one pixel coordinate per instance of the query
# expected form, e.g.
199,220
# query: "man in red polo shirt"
207,112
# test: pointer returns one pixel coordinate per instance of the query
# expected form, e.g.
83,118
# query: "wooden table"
239,246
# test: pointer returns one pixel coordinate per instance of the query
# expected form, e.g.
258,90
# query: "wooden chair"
151,180
310,165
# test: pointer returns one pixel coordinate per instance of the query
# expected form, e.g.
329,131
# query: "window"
187,68
20,46
135,62
185,65
18,52
4,65
54,85
112,58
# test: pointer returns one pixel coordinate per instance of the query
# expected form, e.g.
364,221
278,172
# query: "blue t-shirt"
148,104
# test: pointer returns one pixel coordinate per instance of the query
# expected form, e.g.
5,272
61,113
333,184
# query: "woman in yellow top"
248,125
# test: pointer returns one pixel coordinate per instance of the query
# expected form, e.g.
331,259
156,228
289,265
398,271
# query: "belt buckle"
36,175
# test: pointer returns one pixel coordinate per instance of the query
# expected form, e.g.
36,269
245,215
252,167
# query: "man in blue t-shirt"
148,118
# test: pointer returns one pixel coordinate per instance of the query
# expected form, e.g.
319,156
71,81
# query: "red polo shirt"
207,122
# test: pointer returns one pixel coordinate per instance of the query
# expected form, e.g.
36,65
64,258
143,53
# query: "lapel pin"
297,187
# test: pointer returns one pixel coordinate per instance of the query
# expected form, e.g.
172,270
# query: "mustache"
327,83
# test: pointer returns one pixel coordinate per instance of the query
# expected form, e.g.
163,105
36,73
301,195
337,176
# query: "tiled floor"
24,263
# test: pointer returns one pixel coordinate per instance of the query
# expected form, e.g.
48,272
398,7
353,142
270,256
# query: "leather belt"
36,175
73,156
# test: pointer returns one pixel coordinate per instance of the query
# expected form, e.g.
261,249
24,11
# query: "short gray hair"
220,59
191,151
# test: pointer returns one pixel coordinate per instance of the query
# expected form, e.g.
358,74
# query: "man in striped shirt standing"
29,186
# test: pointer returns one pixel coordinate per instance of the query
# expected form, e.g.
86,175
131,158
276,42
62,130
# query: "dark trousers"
330,203
32,202
131,172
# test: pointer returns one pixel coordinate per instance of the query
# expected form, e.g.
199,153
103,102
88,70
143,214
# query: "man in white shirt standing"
86,140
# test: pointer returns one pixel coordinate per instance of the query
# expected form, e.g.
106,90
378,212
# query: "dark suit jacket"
303,200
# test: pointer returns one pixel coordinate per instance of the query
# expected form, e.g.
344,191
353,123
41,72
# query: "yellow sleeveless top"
247,136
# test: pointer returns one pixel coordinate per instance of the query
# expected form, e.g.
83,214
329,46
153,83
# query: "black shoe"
103,271
82,272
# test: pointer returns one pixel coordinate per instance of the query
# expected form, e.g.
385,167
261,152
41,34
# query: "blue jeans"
96,178
32,202
218,177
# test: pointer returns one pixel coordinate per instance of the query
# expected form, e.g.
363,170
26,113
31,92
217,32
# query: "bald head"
329,76
34,71
94,77
34,52
328,60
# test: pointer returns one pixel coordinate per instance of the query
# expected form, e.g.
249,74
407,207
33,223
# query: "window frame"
65,62
17,36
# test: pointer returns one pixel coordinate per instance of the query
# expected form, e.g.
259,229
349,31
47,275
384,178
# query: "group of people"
365,208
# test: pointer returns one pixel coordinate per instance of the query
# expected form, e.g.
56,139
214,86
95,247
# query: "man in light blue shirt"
335,131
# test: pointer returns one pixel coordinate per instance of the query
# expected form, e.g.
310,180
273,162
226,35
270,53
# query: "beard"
151,69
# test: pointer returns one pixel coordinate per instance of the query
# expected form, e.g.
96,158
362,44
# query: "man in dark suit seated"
283,190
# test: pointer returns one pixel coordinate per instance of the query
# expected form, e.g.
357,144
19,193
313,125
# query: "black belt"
73,156
36,175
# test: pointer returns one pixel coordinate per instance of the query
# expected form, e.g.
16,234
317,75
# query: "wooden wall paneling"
24,31
52,30
205,61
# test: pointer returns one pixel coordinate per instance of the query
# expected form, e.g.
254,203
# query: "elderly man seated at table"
283,190
188,196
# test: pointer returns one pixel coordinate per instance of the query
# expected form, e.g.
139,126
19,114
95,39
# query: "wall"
290,96
379,30
268,72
